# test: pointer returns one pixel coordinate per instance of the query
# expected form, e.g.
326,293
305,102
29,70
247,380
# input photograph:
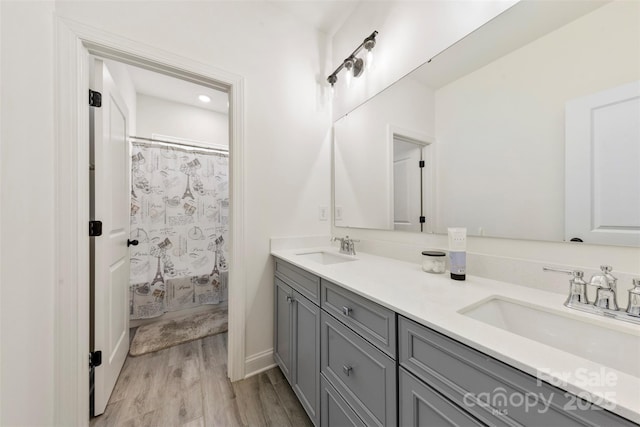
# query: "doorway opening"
412,159
75,44
159,193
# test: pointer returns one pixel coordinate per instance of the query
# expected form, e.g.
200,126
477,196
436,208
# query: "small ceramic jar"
433,261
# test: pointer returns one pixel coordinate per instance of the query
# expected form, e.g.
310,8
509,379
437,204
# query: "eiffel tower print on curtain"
180,197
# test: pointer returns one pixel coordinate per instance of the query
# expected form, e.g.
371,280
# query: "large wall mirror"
528,128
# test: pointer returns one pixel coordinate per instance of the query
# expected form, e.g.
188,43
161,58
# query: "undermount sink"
326,258
607,346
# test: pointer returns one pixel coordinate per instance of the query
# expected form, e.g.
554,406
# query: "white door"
407,186
602,172
110,204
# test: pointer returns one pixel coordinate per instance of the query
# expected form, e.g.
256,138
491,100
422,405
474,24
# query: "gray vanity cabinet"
352,362
489,390
297,339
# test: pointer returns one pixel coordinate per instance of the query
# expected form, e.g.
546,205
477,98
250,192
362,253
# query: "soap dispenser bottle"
458,252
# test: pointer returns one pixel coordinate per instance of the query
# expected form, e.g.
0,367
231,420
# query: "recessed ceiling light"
204,98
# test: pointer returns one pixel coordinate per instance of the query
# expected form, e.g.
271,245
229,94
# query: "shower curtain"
179,215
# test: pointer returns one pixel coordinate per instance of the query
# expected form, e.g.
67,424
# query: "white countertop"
434,301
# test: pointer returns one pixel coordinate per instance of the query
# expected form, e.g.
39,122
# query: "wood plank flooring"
187,385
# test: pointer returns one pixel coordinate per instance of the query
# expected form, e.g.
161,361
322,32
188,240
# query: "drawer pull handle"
347,370
289,299
347,311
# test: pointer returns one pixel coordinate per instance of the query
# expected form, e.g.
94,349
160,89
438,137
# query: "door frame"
74,43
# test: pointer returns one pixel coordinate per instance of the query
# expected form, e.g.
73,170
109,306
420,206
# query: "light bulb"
348,78
369,59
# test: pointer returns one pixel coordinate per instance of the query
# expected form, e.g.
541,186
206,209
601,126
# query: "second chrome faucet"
606,302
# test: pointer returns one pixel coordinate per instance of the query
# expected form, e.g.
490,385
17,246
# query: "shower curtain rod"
193,147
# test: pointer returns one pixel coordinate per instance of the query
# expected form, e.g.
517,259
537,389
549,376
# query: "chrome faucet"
606,292
605,303
577,286
346,244
633,308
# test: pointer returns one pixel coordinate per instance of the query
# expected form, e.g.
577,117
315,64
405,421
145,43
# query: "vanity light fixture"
353,64
204,98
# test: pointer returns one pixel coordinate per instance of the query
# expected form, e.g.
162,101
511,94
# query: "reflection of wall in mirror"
500,129
363,152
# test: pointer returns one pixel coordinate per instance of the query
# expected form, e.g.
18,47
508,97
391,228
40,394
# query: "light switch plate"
323,213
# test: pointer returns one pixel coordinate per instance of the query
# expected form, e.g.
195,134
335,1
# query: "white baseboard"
258,362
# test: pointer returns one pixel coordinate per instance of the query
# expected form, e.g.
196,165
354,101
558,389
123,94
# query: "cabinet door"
420,405
306,354
283,329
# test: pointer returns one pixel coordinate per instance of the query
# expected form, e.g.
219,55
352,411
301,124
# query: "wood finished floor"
187,385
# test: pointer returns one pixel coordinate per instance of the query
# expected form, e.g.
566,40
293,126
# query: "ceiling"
173,89
324,15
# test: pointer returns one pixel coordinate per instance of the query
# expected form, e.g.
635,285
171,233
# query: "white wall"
410,33
160,116
514,126
517,261
28,214
364,151
287,157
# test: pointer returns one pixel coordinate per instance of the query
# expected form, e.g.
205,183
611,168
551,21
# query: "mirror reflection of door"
409,169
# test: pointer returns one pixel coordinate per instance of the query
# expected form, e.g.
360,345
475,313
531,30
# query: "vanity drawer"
420,405
302,281
362,374
373,321
335,412
492,391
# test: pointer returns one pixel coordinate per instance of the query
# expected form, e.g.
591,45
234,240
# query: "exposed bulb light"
332,79
369,44
348,65
204,98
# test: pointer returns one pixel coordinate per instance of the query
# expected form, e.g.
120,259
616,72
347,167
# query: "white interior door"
110,199
602,173
407,188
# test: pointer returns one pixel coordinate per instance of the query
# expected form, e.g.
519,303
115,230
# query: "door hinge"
95,228
95,359
421,163
95,99
423,219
